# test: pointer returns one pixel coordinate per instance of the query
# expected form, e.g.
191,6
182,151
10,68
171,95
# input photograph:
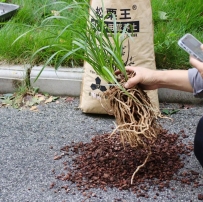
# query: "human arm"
186,80
152,79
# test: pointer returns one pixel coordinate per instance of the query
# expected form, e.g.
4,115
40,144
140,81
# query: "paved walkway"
29,140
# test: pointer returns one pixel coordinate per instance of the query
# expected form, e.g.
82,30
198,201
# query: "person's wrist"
158,76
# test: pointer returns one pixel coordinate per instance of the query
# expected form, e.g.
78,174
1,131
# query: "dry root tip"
140,166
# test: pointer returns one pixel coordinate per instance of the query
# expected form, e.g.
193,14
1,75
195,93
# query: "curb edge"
67,81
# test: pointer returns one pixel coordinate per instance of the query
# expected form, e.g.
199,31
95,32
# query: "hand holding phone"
192,46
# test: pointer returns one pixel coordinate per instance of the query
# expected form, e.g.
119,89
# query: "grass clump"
172,19
28,20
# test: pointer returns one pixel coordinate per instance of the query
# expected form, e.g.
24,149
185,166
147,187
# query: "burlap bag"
137,52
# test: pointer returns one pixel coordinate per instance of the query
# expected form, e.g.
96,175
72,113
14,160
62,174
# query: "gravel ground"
30,140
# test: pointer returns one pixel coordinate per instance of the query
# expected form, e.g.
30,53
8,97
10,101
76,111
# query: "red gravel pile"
104,162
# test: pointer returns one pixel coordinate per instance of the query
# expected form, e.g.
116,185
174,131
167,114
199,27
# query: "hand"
149,79
197,64
146,78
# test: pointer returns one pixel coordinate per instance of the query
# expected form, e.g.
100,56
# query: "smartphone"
192,46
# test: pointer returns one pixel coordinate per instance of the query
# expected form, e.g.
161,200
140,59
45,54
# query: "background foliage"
172,19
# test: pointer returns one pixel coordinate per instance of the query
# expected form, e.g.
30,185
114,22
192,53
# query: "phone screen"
194,45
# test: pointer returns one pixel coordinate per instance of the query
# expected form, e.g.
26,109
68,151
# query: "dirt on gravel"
105,162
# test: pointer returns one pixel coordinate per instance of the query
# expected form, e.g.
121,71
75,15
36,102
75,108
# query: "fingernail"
126,85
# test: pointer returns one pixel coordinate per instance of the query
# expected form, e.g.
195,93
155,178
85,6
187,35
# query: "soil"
105,162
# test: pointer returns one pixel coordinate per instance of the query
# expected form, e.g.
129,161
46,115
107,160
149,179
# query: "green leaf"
170,111
174,111
54,98
7,102
166,111
163,15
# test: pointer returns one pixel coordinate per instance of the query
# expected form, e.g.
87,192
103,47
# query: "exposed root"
140,166
136,118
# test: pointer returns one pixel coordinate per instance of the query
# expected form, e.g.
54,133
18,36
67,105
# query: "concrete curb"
176,96
64,81
67,81
11,77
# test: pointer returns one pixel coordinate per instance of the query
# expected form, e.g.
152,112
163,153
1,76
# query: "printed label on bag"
125,14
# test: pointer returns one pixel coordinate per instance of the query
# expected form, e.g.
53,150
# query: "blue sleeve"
196,82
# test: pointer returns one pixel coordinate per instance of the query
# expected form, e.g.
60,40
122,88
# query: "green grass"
28,20
181,17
